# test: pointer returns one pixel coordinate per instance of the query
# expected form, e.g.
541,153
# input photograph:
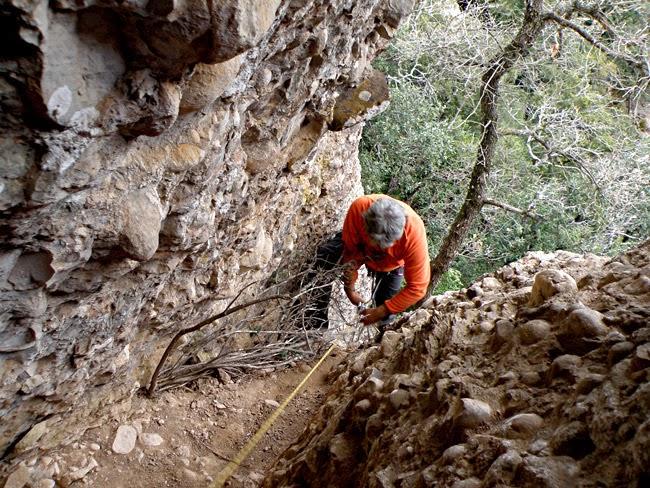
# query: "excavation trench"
199,429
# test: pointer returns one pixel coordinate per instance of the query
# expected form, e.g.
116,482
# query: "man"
389,238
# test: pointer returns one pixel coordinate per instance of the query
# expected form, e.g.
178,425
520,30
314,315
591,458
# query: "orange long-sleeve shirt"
410,251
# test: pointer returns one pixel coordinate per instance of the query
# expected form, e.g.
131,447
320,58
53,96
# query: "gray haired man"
389,238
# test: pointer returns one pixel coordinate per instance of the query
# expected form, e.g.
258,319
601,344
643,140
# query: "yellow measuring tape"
232,466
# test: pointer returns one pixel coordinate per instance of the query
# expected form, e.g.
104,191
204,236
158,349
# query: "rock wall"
536,376
156,154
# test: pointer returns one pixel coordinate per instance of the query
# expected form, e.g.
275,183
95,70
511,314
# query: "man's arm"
417,271
352,259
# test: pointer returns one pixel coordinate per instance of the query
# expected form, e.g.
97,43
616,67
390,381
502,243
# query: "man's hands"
372,315
354,297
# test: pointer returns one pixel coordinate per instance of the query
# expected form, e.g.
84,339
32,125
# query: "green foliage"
586,185
451,280
408,153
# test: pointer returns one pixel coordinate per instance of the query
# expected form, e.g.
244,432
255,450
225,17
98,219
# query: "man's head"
384,221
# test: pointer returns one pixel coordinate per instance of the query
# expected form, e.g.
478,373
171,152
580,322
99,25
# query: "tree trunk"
518,48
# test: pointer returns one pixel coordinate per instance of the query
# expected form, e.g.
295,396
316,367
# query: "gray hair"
385,220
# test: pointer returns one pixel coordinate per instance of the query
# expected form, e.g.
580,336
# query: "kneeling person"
389,238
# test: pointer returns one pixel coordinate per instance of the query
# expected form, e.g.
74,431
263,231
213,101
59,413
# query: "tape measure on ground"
232,466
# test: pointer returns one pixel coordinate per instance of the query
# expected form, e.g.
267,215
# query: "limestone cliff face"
536,376
155,154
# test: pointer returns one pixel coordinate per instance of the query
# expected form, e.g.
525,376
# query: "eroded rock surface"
540,379
154,155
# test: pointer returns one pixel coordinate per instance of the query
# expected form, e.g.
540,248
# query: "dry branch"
594,13
510,208
564,22
203,323
275,335
551,152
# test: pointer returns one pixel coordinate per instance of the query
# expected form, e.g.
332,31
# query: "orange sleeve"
417,271
352,232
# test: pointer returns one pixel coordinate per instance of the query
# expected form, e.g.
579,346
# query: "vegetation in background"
572,163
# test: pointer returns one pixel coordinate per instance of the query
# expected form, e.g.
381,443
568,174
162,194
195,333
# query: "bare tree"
553,134
476,194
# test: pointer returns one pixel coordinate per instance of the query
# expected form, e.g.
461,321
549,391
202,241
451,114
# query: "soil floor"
202,428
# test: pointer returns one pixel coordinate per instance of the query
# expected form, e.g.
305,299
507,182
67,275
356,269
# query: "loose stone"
399,398
19,478
523,425
125,438
151,439
453,453
533,331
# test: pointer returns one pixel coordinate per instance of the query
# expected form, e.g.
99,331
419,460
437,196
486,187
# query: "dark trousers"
386,284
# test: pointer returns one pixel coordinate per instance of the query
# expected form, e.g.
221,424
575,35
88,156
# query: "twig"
552,16
510,208
552,152
219,455
272,346
596,14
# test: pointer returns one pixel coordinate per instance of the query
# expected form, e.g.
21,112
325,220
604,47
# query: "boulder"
503,469
582,331
573,440
453,453
565,367
239,25
208,82
389,342
641,358
471,413
504,331
619,351
547,472
533,331
399,398
341,449
142,224
523,425
21,477
549,283
467,483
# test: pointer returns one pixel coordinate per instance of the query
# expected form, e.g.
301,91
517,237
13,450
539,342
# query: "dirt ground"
201,428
